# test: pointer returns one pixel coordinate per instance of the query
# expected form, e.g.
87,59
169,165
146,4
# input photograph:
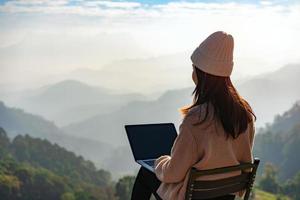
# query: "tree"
83,195
67,196
124,187
269,182
292,187
296,181
9,186
4,143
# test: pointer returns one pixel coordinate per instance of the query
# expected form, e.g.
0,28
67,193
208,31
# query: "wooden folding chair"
200,189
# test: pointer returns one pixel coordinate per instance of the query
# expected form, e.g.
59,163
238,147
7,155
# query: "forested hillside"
17,122
278,143
33,168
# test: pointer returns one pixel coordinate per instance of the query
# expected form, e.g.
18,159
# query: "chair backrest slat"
207,194
222,170
244,177
205,189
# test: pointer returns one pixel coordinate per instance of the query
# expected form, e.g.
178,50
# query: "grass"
262,195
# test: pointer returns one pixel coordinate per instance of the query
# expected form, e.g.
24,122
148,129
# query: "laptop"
149,141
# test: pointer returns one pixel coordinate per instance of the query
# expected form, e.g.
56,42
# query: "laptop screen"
149,141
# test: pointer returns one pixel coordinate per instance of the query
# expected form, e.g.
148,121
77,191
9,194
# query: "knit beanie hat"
215,54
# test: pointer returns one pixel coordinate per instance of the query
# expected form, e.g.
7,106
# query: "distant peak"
70,82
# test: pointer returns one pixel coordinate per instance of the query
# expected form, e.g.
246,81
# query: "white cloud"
67,7
265,34
111,4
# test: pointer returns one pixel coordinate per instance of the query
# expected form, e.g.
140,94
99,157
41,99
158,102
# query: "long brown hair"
230,108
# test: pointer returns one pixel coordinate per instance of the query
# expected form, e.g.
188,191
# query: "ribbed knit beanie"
215,54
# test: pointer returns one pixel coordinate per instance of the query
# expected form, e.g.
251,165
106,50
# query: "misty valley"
67,140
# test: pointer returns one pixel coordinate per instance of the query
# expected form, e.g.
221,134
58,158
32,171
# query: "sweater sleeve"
173,168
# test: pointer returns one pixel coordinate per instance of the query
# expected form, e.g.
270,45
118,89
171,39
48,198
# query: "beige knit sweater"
204,147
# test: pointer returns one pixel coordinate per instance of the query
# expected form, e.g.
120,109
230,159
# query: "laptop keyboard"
150,162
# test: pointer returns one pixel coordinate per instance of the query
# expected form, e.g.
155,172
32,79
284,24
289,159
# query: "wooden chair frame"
200,189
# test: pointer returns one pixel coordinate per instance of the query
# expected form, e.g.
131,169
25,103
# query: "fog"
44,42
88,68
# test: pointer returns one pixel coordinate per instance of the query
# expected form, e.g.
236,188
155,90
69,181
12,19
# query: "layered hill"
17,122
32,168
278,143
269,94
70,101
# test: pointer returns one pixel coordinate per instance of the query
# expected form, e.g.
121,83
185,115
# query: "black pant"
146,183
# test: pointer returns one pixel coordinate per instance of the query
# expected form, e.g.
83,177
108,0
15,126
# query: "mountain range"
71,101
278,143
272,93
17,122
91,119
269,95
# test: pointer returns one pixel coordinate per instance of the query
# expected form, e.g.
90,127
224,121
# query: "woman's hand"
160,159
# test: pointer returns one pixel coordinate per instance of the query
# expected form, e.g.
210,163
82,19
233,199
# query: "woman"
217,129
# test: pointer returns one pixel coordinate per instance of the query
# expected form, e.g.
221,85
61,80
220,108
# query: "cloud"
265,33
87,8
112,4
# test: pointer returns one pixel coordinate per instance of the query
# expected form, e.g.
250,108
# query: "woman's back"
207,147
214,148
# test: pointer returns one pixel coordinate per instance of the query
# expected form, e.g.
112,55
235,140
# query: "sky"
40,39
